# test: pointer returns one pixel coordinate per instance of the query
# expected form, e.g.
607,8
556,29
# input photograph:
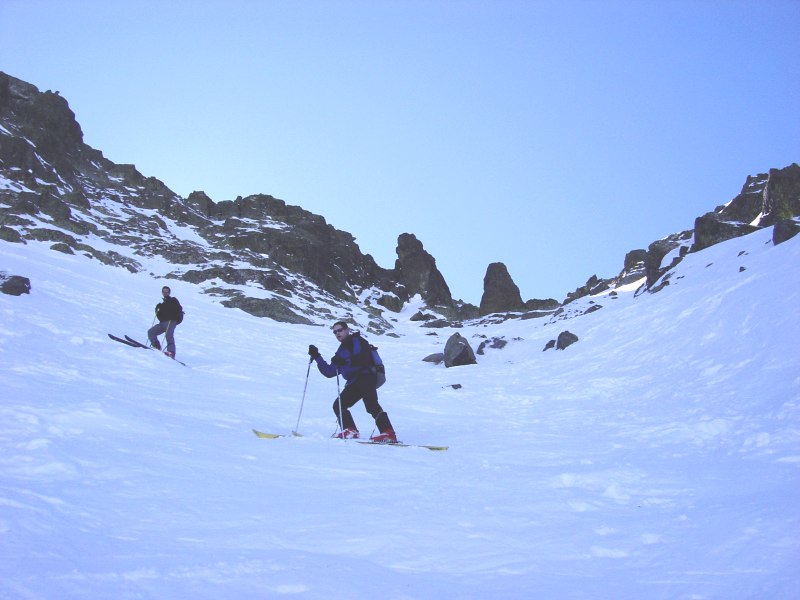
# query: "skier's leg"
370,395
349,397
153,333
170,331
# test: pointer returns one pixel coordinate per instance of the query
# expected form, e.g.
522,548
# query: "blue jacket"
355,358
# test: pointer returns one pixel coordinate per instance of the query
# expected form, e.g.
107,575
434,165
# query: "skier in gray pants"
169,313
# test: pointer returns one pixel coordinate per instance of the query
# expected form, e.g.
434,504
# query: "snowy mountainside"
658,457
272,259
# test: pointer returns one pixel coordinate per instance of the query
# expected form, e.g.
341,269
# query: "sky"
553,137
655,458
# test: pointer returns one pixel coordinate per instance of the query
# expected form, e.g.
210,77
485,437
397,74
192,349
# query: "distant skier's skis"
121,341
129,341
136,343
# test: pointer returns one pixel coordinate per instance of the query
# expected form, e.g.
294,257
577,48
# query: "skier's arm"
324,368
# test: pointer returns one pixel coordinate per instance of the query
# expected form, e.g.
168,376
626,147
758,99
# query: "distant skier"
169,313
355,362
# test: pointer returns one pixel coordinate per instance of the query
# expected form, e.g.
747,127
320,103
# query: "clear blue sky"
551,136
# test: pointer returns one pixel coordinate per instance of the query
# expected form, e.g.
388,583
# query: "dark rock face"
634,267
782,195
416,270
785,229
764,200
654,259
712,228
260,241
500,293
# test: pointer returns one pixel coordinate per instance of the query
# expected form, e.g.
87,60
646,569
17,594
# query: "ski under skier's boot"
170,354
385,437
347,434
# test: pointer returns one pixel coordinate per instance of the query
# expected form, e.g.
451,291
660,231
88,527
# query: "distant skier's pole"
148,331
296,427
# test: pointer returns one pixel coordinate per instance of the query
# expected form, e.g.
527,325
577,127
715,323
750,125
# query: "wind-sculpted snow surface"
657,457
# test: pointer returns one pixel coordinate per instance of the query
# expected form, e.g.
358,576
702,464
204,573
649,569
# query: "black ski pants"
362,388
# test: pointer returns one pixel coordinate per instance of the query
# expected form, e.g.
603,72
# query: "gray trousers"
156,330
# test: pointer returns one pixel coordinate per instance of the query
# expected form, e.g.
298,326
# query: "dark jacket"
169,310
354,358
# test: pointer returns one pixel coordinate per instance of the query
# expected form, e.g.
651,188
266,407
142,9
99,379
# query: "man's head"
165,291
340,330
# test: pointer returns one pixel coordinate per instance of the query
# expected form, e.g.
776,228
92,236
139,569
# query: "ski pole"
296,427
339,401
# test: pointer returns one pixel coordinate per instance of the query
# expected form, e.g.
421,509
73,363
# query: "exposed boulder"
14,285
421,316
436,358
493,343
458,352
564,340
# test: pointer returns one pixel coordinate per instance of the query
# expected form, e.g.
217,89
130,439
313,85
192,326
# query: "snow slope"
659,457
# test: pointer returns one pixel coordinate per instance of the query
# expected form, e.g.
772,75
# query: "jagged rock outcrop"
678,244
500,293
416,270
633,268
765,199
785,229
781,195
712,228
594,285
61,191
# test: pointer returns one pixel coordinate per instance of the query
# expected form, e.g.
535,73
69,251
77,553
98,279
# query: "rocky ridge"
279,261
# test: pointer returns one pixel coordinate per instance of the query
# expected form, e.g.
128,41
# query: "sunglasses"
338,331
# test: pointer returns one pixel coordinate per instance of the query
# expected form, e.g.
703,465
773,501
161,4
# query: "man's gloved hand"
313,351
338,361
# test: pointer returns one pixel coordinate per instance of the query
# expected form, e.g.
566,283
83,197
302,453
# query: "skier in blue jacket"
353,361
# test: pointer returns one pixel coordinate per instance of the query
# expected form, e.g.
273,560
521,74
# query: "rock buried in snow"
14,285
565,339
